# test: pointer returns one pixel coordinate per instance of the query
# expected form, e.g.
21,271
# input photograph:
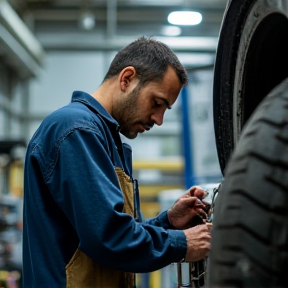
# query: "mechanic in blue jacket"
82,224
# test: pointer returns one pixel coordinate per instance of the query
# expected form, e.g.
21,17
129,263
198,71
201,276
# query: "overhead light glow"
184,18
87,21
171,31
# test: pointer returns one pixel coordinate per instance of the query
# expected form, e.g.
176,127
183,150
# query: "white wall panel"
16,129
17,96
64,73
204,153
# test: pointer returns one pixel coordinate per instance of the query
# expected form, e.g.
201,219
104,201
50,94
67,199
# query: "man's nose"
157,118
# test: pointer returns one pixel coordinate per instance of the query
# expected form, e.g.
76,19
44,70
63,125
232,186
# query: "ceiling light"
87,21
184,18
171,31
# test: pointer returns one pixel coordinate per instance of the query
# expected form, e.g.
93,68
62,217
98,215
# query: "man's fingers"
193,202
201,213
209,226
198,192
198,242
196,205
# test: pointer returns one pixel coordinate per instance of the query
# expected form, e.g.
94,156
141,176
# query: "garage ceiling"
56,22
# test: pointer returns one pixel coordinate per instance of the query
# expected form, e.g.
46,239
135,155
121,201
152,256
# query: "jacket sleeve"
86,189
160,220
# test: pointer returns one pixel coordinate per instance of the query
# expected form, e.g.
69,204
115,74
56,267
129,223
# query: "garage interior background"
49,48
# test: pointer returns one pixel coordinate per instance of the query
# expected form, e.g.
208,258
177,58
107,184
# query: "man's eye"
157,104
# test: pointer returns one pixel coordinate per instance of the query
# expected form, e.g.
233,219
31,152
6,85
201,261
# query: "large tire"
251,60
250,227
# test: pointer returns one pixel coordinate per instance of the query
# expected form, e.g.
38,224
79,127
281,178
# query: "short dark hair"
150,58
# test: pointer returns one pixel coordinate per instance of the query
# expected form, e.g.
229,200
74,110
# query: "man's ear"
126,77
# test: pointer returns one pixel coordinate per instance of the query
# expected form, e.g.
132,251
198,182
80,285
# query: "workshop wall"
64,73
13,103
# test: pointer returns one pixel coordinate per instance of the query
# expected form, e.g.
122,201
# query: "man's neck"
104,95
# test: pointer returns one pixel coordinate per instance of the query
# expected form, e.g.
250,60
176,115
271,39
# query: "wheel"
250,228
251,60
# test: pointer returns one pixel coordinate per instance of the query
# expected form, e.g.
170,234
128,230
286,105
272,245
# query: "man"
82,227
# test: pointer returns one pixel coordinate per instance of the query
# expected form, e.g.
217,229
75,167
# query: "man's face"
143,107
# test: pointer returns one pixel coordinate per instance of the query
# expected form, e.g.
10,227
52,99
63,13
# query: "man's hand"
187,206
198,242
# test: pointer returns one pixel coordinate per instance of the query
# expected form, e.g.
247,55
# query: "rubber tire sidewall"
250,226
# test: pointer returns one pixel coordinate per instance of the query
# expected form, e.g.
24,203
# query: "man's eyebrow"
166,102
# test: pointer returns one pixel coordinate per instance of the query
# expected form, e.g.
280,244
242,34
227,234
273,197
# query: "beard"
127,112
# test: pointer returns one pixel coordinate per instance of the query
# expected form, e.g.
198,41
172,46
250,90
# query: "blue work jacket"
72,200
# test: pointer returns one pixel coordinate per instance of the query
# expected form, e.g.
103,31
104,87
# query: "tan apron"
82,272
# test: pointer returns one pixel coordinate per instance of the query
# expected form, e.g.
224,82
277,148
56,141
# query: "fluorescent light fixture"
171,31
196,59
87,21
184,18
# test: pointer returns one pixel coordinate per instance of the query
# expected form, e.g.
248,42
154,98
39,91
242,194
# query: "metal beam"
85,42
10,20
134,14
14,55
134,3
111,18
19,48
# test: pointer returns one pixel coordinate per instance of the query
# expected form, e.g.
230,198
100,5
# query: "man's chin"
129,134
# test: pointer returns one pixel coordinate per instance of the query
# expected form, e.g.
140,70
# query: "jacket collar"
95,106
